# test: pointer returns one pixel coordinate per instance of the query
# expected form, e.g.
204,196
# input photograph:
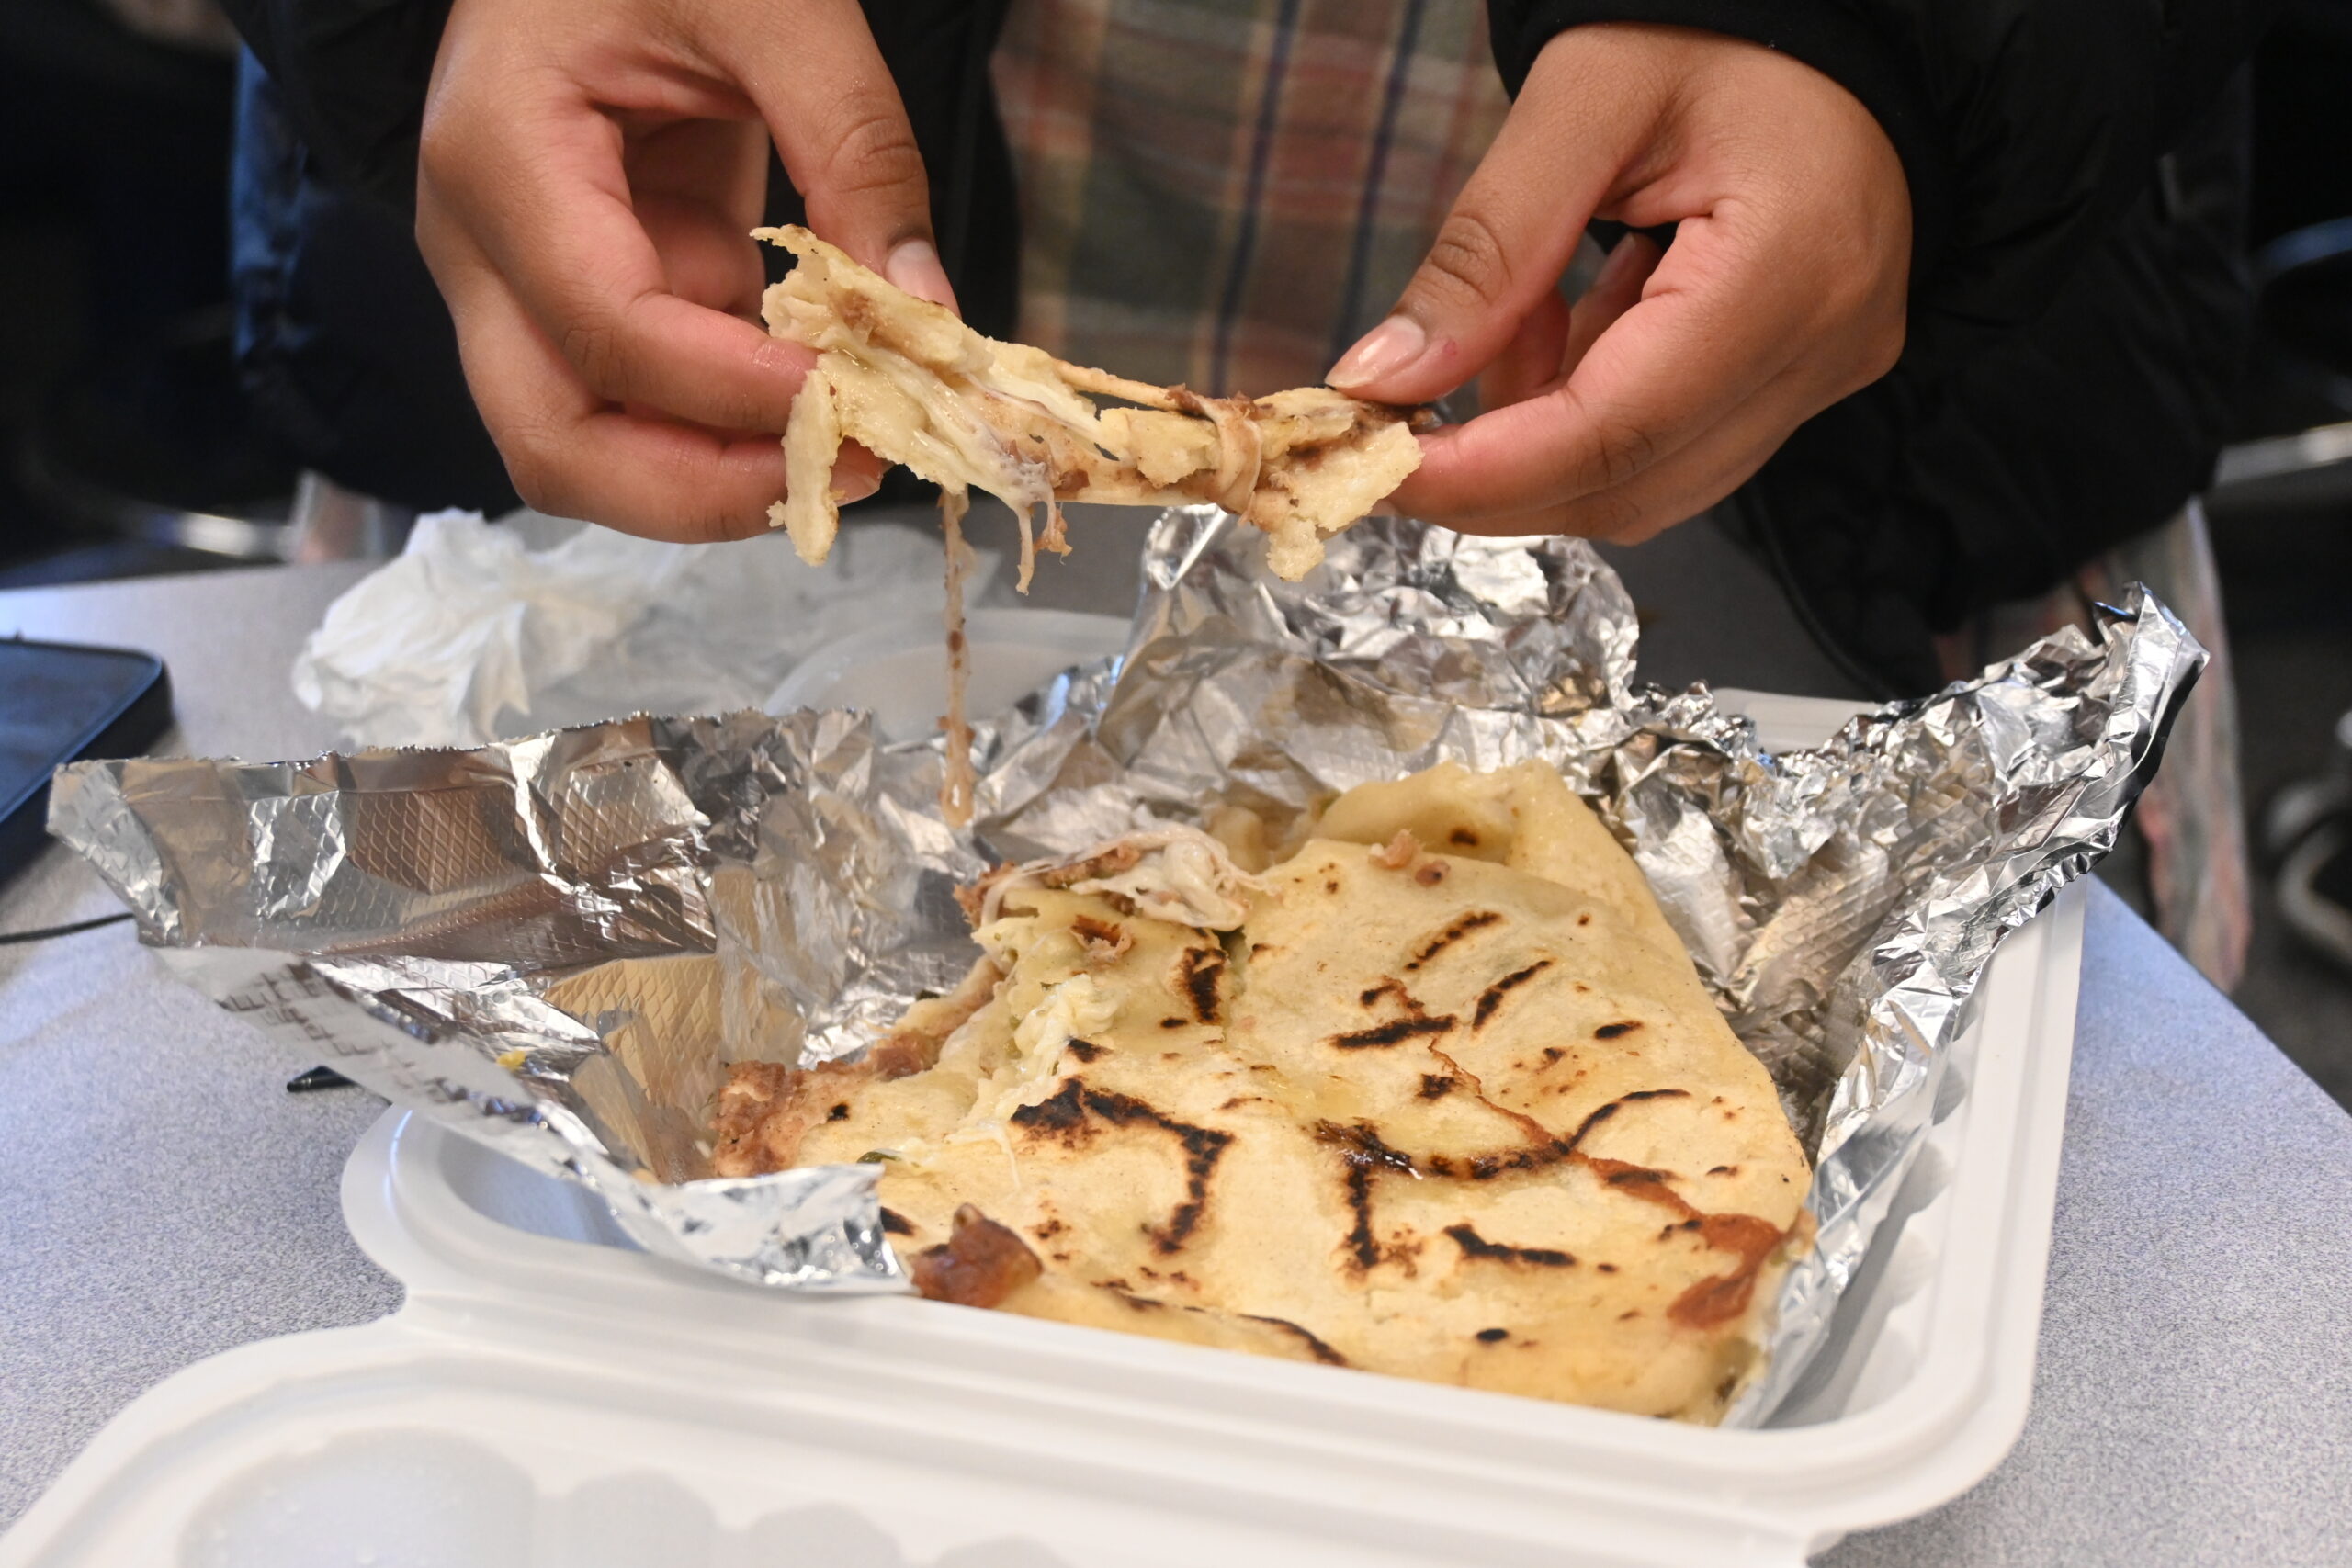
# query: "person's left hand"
1674,377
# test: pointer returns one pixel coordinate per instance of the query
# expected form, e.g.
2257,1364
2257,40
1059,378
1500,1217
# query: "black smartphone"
58,704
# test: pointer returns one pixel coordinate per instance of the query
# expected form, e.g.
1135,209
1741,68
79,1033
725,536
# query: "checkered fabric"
1228,192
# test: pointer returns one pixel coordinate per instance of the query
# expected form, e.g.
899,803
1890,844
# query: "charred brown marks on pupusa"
1390,987
1395,1031
1065,1118
1199,971
1478,1248
1460,927
1104,939
1491,999
1541,1153
1315,1346
1363,1153
1705,1304
1723,1297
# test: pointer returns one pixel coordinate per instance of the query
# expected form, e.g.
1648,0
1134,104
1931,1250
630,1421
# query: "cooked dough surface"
916,385
1450,1103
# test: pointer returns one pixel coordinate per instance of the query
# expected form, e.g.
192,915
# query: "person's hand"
590,169
1672,379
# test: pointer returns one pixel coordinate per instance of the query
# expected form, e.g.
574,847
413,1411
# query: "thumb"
1512,233
842,131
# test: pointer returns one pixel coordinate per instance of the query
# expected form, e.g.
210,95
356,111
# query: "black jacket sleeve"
352,75
2026,127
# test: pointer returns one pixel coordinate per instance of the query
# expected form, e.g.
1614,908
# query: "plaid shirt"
1228,192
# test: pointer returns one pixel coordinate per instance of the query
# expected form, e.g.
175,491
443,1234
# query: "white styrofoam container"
548,1396
894,668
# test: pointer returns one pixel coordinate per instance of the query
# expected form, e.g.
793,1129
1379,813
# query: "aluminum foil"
557,944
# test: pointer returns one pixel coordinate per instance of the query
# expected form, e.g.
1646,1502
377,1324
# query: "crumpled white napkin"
472,635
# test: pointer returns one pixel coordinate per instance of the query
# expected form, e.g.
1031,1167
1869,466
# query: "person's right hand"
589,171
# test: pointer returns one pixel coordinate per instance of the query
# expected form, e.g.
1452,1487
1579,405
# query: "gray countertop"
162,1199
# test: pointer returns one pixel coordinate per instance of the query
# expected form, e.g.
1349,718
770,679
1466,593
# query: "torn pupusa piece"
912,382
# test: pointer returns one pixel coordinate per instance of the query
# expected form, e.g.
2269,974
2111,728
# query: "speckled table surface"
161,1199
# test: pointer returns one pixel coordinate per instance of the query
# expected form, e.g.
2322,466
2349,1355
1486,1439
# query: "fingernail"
914,267
1386,349
854,487
1623,257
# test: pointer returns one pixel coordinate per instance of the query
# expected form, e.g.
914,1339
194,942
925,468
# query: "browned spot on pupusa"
1065,1118
980,1264
1720,1298
1637,1181
1363,1153
1475,1246
1603,1114
1717,1301
1200,970
1104,939
1460,927
1315,1346
1491,999
1541,1150
1395,1031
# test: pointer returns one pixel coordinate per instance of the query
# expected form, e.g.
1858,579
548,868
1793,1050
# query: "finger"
706,259
842,131
1553,339
553,216
571,455
1530,362
719,163
1615,290
697,187
1672,491
1706,336
1511,234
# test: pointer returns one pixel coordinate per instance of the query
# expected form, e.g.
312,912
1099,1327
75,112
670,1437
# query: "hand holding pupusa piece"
590,171
1678,375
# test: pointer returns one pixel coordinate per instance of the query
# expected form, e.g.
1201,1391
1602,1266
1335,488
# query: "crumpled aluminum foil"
557,943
